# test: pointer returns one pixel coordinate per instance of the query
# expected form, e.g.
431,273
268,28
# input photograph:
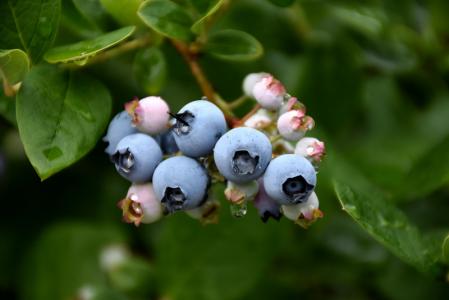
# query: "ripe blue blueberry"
136,157
289,179
198,126
180,183
242,154
120,126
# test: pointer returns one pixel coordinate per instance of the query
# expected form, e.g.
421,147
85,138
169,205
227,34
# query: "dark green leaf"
80,52
387,224
60,117
234,45
282,3
76,22
14,65
29,25
124,11
66,259
93,11
167,18
150,69
211,6
428,173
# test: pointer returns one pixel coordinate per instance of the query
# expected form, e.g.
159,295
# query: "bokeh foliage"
374,74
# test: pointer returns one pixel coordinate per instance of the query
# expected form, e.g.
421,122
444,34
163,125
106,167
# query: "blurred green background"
373,74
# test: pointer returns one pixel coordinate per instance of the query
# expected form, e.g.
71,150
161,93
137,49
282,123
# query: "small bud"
149,115
293,125
303,214
141,205
269,93
250,80
311,148
266,206
260,120
238,193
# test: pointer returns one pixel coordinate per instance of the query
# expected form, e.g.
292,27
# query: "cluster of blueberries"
172,159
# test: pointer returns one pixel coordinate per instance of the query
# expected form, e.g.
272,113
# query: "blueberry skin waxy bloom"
120,126
136,157
289,179
242,154
180,183
198,126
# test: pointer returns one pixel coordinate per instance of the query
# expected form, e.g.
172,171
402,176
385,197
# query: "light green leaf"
65,259
167,18
80,52
234,45
388,225
124,11
29,25
150,69
14,65
60,116
282,3
212,6
428,173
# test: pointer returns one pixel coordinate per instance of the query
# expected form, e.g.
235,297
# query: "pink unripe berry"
150,114
250,80
141,205
311,148
293,125
269,93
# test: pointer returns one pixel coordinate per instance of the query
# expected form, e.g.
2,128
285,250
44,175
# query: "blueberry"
242,154
168,143
289,179
198,126
180,183
136,157
120,126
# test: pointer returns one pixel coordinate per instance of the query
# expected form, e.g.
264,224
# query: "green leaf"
60,116
65,259
76,22
29,25
445,250
234,45
388,225
93,11
82,51
282,3
150,69
14,65
428,173
211,6
124,11
167,18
